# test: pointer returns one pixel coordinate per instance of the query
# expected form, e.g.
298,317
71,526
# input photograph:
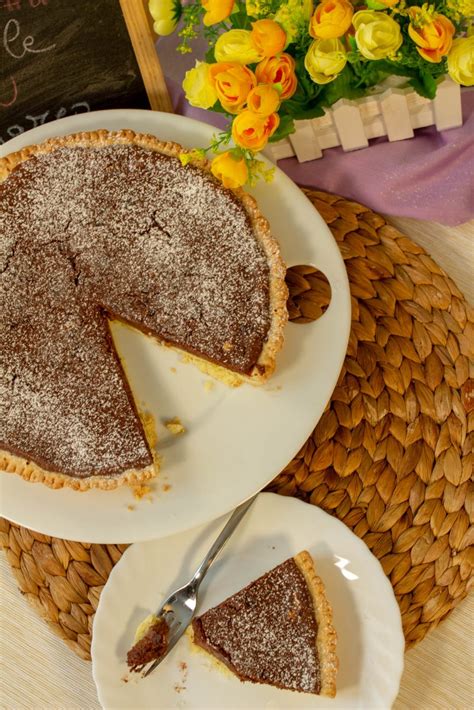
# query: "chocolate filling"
266,633
149,648
114,232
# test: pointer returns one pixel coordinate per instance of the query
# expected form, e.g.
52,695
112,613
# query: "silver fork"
180,607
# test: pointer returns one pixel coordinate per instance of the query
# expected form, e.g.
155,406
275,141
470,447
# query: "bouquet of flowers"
271,62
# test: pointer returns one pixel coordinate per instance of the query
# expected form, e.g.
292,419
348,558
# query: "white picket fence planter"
392,111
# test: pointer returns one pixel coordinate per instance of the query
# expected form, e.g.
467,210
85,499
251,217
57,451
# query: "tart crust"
278,292
326,638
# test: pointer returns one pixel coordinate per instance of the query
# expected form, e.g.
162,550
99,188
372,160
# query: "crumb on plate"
175,426
141,491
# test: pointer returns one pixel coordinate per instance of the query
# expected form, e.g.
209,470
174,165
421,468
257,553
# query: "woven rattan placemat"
390,457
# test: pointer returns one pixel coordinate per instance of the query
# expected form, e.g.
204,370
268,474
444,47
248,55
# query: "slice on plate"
110,225
278,630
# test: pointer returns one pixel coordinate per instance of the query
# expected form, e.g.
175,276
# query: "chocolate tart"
278,630
98,226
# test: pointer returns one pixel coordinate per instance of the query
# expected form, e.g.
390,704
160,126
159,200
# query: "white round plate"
236,440
366,615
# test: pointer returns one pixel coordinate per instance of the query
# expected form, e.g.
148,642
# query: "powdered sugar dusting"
131,232
267,631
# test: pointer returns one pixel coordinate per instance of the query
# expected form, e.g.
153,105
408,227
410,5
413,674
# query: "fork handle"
225,534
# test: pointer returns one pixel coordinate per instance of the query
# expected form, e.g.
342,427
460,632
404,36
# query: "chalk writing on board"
63,57
17,45
34,121
14,93
12,5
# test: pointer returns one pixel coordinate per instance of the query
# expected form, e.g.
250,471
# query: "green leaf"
209,56
217,108
341,88
240,20
424,84
369,73
287,126
429,84
352,42
302,114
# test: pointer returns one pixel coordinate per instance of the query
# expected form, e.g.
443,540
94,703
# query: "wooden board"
60,57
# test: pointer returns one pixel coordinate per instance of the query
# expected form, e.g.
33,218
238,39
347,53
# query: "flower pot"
393,110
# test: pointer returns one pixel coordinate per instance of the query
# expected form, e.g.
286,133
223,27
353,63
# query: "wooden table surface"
37,670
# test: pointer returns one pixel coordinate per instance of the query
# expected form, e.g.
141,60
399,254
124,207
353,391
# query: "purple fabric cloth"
430,176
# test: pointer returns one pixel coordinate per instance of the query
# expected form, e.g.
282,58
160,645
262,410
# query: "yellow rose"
216,10
325,59
198,86
332,18
237,46
278,70
433,36
231,171
252,131
232,83
165,14
268,37
461,61
377,34
263,100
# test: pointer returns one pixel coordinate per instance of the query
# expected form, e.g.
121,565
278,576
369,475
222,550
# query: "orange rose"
280,71
216,10
433,38
251,131
233,83
332,18
263,100
269,37
231,171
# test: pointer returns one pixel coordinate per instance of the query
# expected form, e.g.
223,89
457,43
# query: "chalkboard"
61,57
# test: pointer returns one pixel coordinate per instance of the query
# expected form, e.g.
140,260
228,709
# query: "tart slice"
278,630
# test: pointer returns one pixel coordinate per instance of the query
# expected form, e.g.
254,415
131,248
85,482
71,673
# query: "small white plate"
236,440
366,614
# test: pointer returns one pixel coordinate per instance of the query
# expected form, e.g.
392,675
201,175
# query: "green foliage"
285,128
220,139
424,84
209,56
240,20
257,169
344,87
305,102
191,16
217,108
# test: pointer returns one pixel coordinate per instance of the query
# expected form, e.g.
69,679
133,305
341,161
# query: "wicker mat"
390,456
